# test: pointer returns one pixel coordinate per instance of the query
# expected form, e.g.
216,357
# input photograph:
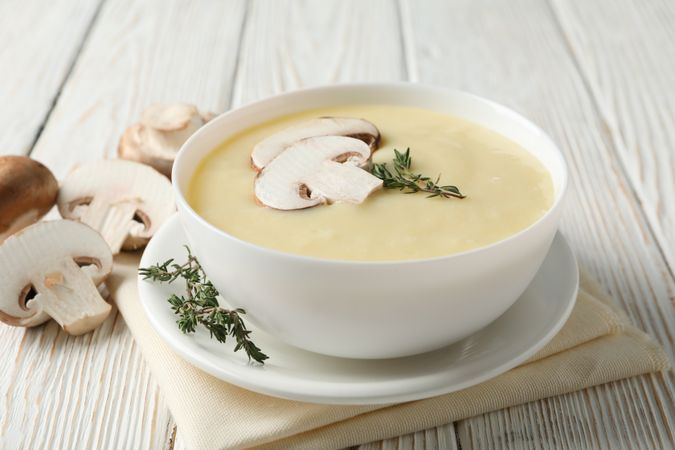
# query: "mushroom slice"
51,269
272,146
125,201
317,170
27,191
163,129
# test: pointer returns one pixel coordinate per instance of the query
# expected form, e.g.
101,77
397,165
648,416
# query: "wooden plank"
447,438
569,423
439,438
40,41
78,391
94,391
625,51
513,52
176,441
290,44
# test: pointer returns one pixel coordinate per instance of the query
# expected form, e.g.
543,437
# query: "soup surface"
506,188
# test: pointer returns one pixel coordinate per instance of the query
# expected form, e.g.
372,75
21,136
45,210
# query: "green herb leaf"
199,305
403,179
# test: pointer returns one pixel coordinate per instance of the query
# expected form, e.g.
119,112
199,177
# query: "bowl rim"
552,210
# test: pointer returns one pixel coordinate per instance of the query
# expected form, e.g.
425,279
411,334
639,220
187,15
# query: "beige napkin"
596,345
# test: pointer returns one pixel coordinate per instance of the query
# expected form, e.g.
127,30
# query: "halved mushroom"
51,269
161,132
271,147
123,200
27,191
317,170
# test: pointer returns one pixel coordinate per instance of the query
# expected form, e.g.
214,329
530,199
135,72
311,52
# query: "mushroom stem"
113,220
70,297
126,202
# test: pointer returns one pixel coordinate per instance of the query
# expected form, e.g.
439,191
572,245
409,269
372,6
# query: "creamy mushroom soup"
507,189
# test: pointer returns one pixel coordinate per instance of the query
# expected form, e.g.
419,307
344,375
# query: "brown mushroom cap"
28,190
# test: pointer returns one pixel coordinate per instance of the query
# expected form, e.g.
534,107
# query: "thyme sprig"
199,305
403,179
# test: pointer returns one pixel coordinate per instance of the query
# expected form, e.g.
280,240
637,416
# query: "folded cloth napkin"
596,345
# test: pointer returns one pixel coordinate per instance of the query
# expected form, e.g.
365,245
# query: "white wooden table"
597,75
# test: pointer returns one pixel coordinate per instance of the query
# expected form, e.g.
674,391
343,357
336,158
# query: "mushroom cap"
163,129
317,170
33,251
118,182
272,146
169,116
28,190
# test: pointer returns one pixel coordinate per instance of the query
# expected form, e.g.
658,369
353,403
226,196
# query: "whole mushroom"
123,200
161,132
28,190
51,270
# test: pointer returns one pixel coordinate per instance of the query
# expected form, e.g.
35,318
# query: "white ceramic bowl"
387,309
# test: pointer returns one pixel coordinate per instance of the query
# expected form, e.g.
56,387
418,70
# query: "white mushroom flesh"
41,277
164,128
162,131
271,147
338,182
123,200
317,170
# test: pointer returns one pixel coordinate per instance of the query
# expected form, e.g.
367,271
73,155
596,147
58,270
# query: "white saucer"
300,375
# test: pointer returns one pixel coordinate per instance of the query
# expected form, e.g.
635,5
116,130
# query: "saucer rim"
298,389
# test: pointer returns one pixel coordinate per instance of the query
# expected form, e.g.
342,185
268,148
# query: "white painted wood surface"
562,64
624,50
39,42
289,44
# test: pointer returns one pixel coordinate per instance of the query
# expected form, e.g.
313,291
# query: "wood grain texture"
551,63
439,438
40,41
141,53
290,44
94,391
616,415
625,51
513,52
